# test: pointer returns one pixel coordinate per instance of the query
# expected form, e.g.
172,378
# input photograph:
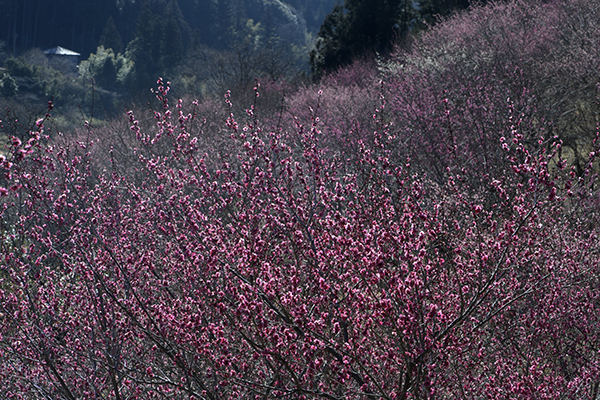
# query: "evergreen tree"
146,48
357,27
171,42
330,50
222,24
111,39
203,16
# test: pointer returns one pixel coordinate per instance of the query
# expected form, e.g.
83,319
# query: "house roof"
61,51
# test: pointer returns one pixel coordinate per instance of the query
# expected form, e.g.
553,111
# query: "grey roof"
61,51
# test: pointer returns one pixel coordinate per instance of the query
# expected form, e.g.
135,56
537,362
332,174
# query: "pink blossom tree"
264,273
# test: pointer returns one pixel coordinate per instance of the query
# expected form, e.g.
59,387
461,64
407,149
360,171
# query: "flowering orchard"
429,248
451,91
266,272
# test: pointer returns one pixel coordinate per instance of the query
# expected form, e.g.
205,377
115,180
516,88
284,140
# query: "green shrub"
18,68
8,86
109,70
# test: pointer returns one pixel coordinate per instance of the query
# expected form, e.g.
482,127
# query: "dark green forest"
81,25
204,47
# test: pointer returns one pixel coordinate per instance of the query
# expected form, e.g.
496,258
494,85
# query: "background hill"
79,25
204,47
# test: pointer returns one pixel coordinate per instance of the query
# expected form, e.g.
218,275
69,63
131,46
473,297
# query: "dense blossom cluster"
303,258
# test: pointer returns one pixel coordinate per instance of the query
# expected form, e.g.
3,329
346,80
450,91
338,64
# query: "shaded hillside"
79,25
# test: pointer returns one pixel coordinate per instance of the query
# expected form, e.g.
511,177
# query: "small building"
60,55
